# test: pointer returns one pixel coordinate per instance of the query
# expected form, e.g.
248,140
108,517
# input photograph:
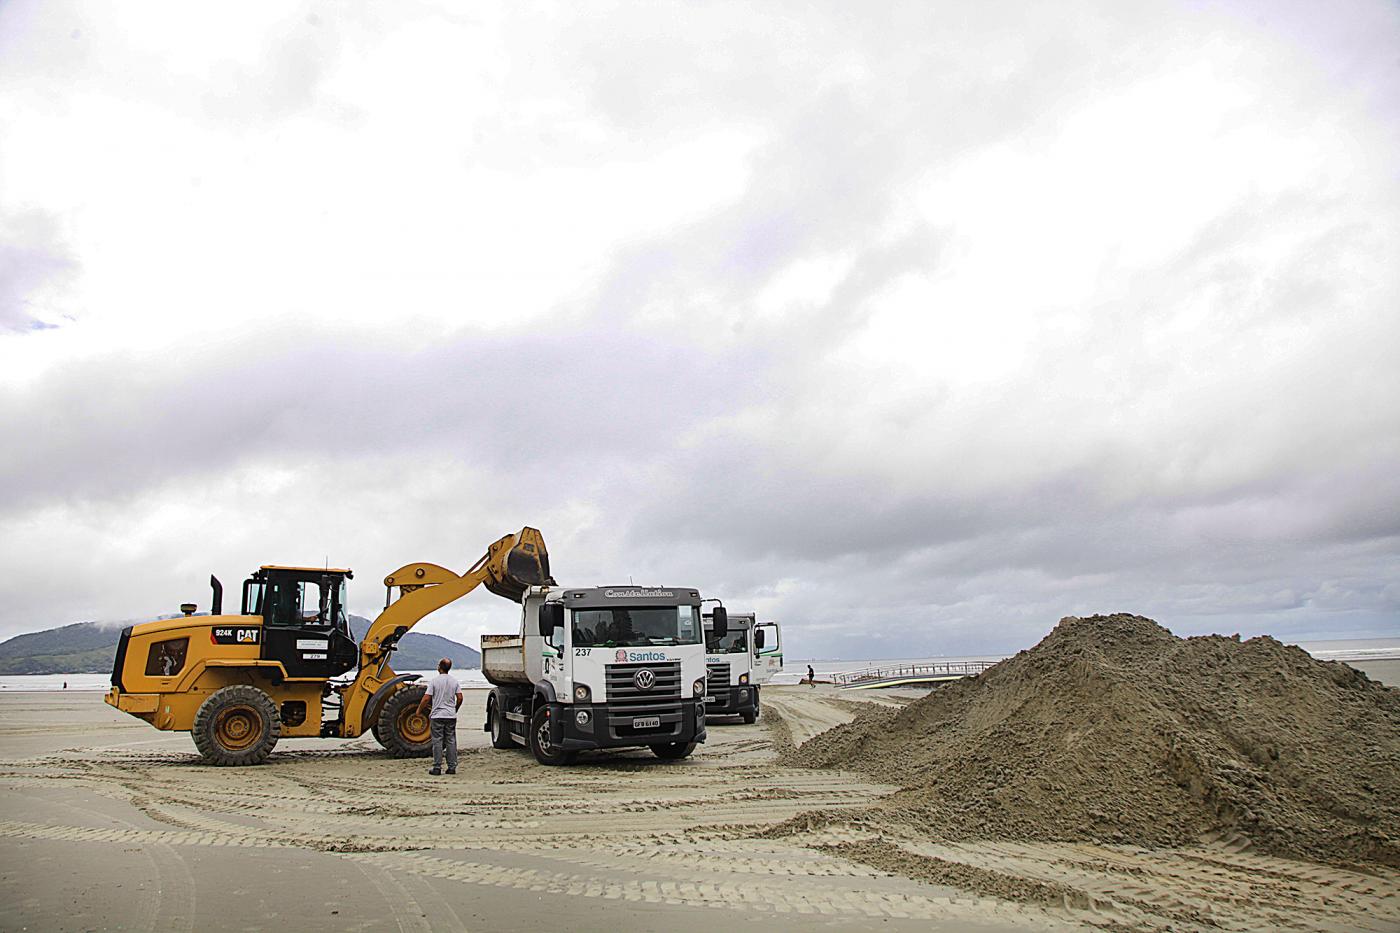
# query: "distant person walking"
811,676
441,702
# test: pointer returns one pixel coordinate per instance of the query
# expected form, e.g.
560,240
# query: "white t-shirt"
442,692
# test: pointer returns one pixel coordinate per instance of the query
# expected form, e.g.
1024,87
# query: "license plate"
709,699
649,722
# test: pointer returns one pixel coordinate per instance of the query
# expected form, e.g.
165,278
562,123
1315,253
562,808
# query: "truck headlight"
699,687
743,678
582,717
582,694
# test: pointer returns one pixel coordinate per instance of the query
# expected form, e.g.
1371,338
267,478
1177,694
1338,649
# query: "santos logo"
624,655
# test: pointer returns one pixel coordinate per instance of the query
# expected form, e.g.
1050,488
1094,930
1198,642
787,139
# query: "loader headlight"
743,678
582,694
699,687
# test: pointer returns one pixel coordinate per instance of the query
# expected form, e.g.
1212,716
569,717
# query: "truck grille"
717,684
626,702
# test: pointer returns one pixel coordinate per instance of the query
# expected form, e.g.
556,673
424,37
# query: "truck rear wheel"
673,751
544,752
500,732
237,725
403,731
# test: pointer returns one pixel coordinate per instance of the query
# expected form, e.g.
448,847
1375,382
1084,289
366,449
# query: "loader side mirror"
720,622
551,618
758,638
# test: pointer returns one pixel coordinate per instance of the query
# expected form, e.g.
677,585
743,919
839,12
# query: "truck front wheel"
237,725
673,751
403,731
544,752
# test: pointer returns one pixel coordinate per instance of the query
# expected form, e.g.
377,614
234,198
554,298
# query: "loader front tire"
403,731
237,725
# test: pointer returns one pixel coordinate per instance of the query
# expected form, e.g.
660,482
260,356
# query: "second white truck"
738,661
599,667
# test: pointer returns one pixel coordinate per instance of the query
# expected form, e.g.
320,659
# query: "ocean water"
1359,649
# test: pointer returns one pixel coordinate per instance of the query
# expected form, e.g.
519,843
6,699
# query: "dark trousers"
444,734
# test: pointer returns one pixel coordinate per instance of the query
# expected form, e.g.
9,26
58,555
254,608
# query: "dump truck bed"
503,659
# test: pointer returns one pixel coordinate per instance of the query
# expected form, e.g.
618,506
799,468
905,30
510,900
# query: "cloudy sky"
914,326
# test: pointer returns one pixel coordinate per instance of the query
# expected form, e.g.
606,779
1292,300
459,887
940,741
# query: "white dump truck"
599,667
738,661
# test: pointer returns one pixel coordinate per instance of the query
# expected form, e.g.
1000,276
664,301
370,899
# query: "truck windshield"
636,627
736,642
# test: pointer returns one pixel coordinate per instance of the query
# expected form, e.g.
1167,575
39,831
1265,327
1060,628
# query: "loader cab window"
298,600
301,603
253,597
342,596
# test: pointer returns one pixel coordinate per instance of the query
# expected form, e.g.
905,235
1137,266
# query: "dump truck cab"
738,663
729,662
599,667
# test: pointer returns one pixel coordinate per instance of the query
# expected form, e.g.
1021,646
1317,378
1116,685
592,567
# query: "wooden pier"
909,674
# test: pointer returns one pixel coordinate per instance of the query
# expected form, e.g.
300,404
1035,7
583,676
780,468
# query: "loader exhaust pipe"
217,608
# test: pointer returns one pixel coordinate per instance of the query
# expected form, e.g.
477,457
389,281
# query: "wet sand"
1384,672
106,824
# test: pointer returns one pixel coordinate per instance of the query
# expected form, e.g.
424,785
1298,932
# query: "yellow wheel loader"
238,683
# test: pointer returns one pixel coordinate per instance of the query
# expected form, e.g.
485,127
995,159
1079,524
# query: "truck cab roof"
601,597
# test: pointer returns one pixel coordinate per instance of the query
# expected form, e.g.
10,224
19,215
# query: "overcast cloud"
912,326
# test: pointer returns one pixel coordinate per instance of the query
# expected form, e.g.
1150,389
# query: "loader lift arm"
508,568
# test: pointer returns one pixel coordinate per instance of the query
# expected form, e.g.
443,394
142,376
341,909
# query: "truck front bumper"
733,701
603,728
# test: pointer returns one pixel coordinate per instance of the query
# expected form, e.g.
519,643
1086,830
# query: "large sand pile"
1113,729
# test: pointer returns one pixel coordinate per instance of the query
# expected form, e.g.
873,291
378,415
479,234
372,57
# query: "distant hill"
90,647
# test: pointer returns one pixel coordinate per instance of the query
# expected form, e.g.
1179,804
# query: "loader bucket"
526,565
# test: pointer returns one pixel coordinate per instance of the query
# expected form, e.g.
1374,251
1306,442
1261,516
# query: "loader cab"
305,622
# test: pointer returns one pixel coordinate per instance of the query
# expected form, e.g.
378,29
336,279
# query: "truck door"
769,657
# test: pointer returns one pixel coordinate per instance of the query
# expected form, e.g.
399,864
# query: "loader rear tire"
545,753
403,731
237,725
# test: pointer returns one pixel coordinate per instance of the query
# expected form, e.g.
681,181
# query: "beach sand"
106,823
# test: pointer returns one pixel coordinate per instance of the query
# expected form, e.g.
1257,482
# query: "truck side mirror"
720,622
551,618
758,638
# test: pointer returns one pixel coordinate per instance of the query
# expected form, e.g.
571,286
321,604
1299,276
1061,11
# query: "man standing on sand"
445,696
811,676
